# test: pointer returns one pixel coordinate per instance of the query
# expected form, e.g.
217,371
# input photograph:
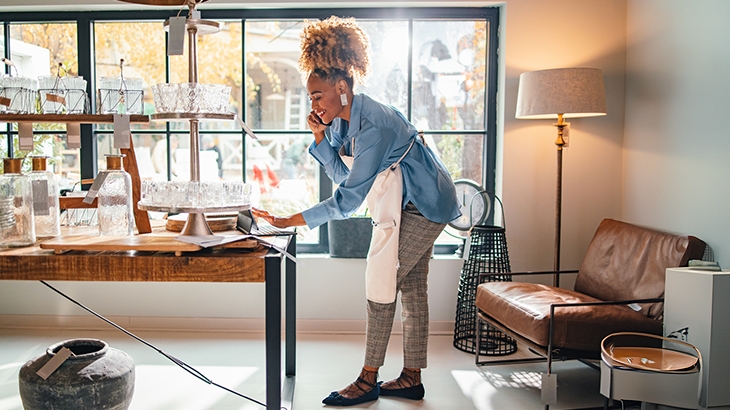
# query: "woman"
374,153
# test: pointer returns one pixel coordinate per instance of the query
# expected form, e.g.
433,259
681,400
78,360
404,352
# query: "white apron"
384,203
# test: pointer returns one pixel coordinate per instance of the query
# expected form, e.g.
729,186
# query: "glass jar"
115,210
16,206
45,199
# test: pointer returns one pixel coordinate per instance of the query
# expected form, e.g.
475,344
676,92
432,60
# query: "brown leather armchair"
619,288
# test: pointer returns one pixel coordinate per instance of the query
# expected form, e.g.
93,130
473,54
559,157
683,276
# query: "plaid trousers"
415,246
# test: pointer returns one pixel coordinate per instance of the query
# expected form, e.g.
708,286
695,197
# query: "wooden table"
261,264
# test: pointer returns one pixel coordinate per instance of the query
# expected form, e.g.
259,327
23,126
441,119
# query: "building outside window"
437,66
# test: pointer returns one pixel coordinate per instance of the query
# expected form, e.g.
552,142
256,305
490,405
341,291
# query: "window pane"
462,154
151,160
142,47
38,49
448,75
284,175
388,79
3,145
276,97
230,147
42,49
219,62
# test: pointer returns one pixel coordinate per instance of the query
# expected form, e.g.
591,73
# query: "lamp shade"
573,92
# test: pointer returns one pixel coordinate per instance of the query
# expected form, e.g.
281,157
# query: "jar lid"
12,165
39,162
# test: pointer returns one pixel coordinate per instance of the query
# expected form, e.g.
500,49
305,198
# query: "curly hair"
335,48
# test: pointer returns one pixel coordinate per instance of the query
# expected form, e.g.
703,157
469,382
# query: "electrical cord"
172,358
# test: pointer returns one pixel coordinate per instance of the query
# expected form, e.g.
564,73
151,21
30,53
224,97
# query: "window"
37,50
437,66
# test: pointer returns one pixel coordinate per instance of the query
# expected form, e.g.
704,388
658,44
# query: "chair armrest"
549,272
604,302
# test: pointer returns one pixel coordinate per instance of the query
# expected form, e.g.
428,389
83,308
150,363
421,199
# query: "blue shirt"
377,135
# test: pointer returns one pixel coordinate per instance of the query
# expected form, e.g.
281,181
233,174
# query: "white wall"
677,143
544,34
535,34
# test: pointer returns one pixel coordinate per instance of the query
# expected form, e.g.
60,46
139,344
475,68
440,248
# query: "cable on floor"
185,366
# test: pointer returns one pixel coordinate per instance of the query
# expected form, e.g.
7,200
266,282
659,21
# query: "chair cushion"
625,261
525,309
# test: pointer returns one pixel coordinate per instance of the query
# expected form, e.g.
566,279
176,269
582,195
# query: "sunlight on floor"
518,386
170,387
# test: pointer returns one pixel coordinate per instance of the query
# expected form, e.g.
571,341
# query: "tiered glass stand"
196,224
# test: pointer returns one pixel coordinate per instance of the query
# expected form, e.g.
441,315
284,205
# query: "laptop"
247,224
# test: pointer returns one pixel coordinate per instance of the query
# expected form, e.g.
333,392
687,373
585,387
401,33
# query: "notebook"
247,224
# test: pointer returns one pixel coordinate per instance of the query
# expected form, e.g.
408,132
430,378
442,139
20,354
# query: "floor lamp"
560,93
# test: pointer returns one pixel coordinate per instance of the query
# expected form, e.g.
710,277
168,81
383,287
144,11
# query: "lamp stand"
560,142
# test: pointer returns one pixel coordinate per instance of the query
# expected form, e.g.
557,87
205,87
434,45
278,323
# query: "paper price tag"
55,98
176,36
549,389
122,134
5,101
73,135
53,364
25,136
245,128
40,197
98,182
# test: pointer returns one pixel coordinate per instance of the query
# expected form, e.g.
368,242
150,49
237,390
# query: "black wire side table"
487,253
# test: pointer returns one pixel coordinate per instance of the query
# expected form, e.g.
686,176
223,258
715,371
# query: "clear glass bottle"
45,199
115,210
16,206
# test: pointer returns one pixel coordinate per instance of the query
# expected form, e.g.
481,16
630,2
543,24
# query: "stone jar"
95,376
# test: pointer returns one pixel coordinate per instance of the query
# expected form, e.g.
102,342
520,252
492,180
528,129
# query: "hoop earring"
343,99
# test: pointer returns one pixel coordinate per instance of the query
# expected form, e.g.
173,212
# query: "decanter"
115,210
45,199
16,206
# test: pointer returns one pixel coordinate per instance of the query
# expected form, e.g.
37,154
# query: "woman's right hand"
277,221
317,126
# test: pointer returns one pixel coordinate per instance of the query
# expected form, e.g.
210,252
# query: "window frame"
85,54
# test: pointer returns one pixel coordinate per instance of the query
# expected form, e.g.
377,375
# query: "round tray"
653,358
192,210
182,116
163,2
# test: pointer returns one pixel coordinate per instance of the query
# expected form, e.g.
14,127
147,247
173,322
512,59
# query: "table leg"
273,332
290,348
291,310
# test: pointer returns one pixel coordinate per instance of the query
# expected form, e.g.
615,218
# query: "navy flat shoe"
412,393
336,399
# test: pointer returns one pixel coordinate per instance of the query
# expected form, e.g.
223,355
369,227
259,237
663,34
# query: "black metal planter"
487,254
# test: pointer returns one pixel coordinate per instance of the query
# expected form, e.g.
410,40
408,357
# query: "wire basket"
487,253
120,95
120,101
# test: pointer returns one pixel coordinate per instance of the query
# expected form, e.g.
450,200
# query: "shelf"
71,118
175,116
